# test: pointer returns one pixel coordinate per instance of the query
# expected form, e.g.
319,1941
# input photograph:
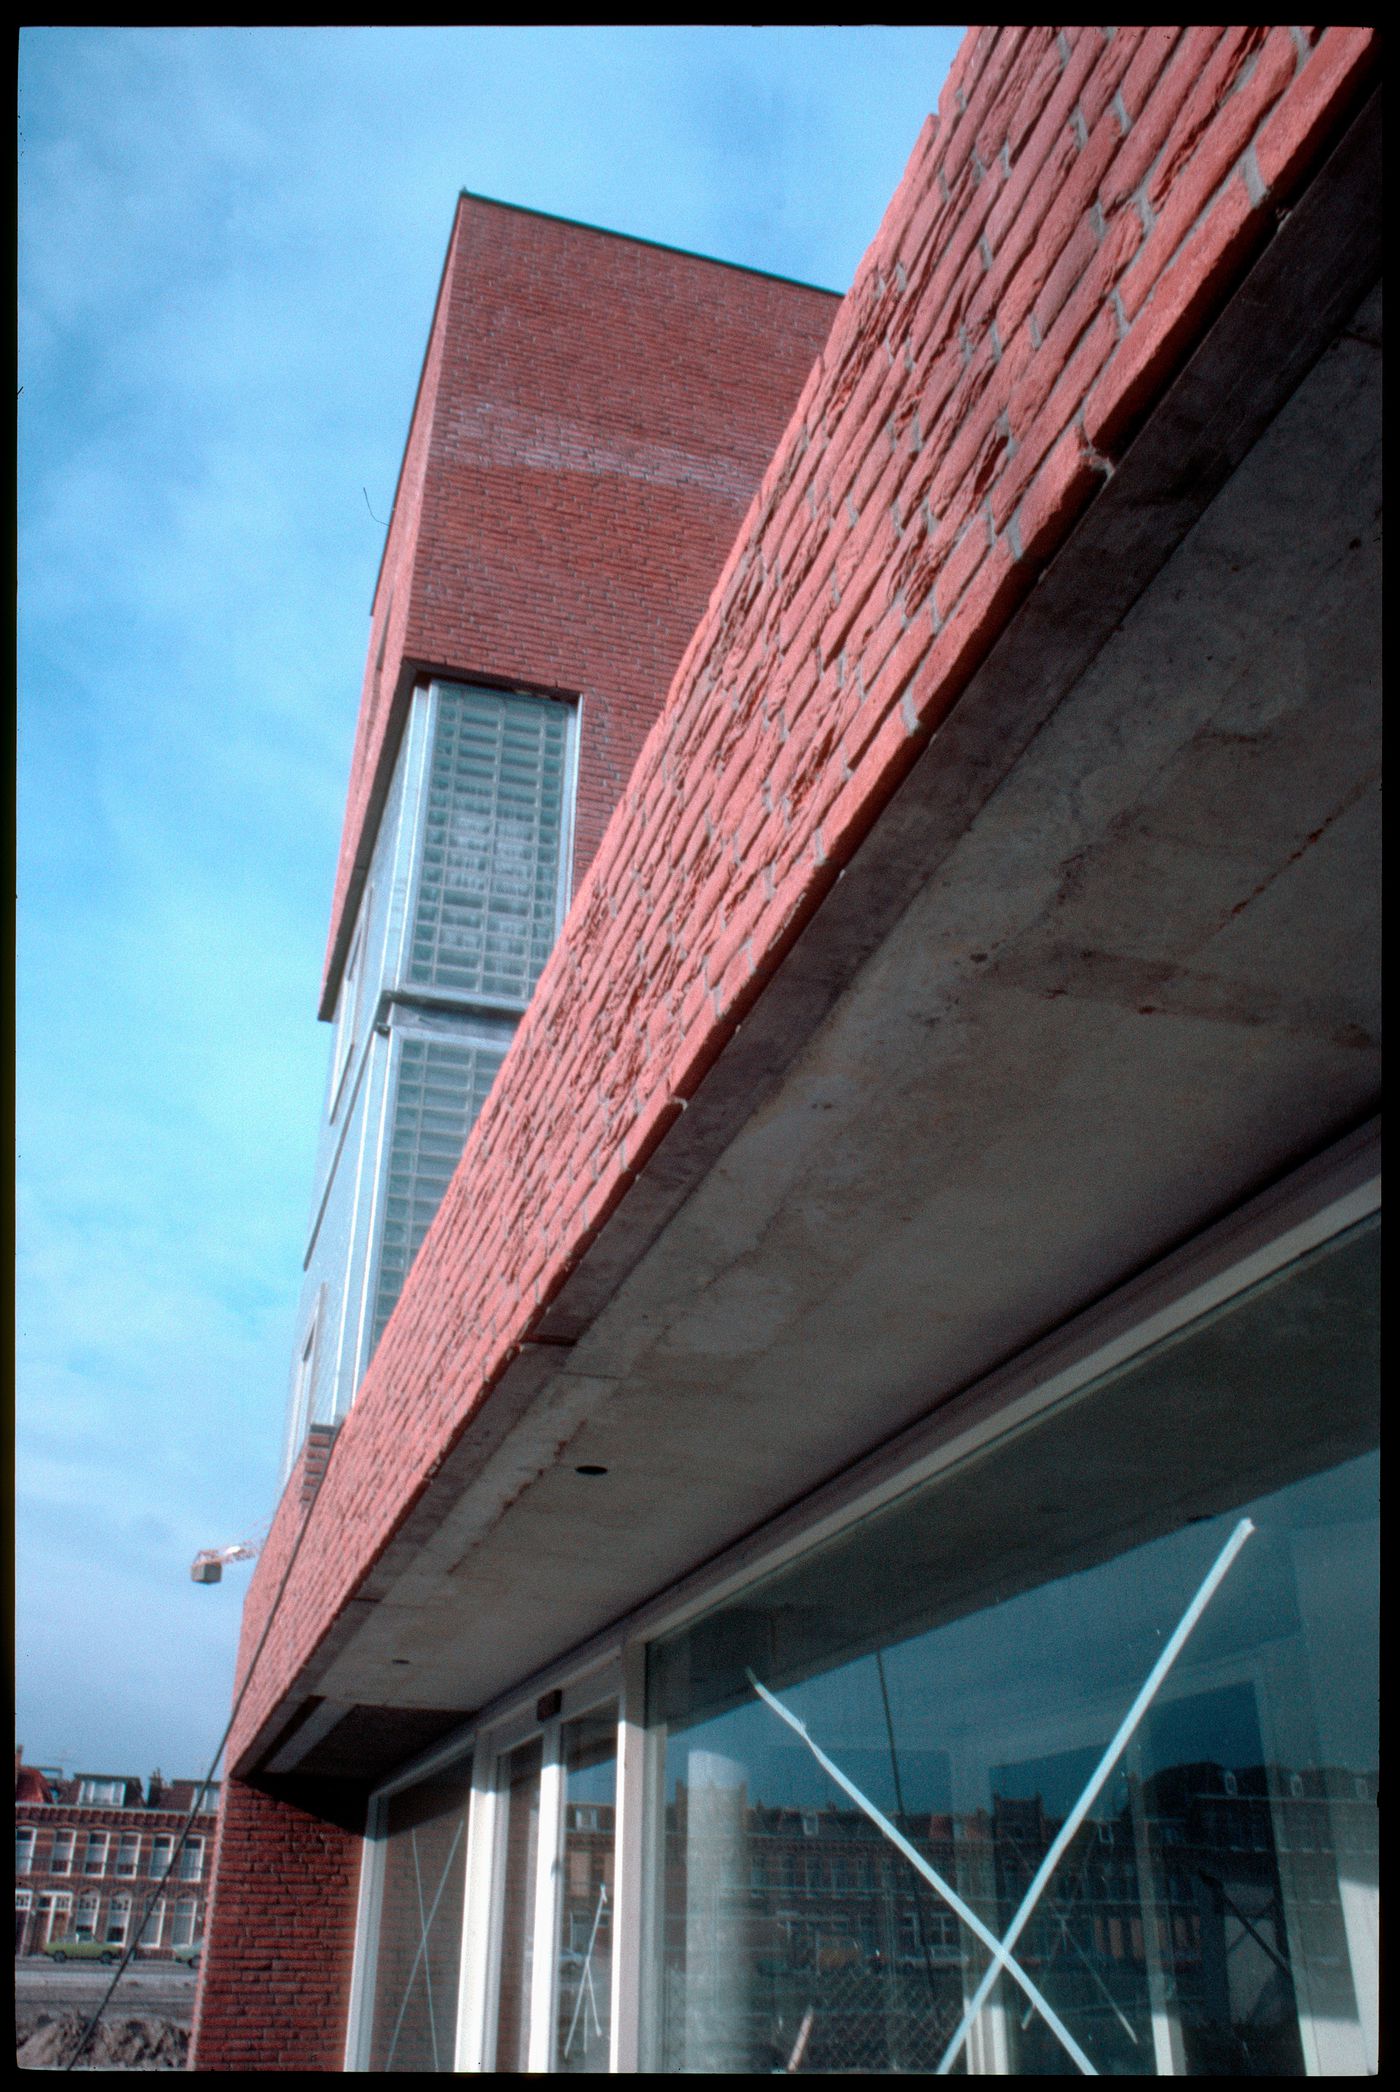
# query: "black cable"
924,1947
204,1785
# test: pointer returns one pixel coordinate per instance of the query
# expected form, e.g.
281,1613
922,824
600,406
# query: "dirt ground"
46,2040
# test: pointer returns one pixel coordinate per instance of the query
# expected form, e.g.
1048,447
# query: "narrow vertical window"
583,1988
522,1823
347,1010
24,1850
419,1942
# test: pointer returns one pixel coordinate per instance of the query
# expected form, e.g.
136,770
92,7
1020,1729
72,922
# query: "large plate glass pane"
1184,1879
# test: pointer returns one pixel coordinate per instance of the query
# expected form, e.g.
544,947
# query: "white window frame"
26,1843
102,1794
153,1928
191,1867
96,1851
119,1911
87,1914
128,1848
348,1006
61,1858
184,1921
162,1851
304,1388
1322,1200
53,1904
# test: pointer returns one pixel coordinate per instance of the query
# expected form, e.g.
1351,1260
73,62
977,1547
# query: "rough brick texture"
943,445
1067,228
592,419
275,1977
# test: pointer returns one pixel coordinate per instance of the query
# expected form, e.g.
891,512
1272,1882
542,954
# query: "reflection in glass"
584,1992
418,1950
522,1830
965,1656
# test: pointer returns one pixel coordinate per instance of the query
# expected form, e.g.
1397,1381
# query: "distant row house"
92,1851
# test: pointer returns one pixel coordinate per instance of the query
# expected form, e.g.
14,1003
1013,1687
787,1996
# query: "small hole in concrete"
590,1470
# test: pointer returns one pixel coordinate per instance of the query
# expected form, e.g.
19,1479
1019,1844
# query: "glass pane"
1186,1881
522,1799
584,1988
441,1090
419,1945
488,885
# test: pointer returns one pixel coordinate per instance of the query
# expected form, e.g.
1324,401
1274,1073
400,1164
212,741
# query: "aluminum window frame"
1302,1211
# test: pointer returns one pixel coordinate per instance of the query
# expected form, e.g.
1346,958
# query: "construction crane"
208,1565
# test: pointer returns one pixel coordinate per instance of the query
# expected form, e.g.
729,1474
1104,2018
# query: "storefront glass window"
522,1831
419,1946
1163,1824
583,1993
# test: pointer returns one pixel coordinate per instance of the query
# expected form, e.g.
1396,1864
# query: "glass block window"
488,888
442,1087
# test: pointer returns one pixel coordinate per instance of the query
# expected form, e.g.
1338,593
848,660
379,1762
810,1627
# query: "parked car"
189,1955
82,1946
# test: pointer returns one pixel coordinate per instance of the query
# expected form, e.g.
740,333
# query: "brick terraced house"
89,1851
830,1501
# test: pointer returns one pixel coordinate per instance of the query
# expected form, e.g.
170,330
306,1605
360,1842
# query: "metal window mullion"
360,2017
633,1828
410,847
543,1971
474,1980
378,1176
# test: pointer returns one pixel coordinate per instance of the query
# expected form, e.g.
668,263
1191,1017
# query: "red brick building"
863,822
90,1850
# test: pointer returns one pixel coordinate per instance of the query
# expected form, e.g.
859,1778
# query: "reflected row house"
830,1498
94,1850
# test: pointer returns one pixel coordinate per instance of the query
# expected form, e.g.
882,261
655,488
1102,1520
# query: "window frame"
1323,1199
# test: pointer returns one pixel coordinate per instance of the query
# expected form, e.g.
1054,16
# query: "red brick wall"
1065,231
49,1818
274,1986
593,417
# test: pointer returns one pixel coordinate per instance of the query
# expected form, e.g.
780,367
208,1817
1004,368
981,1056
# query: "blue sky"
230,242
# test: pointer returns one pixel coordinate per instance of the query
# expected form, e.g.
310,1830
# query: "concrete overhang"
1105,967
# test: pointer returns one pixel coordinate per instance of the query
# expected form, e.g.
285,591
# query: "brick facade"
1068,227
78,1863
281,1930
592,418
